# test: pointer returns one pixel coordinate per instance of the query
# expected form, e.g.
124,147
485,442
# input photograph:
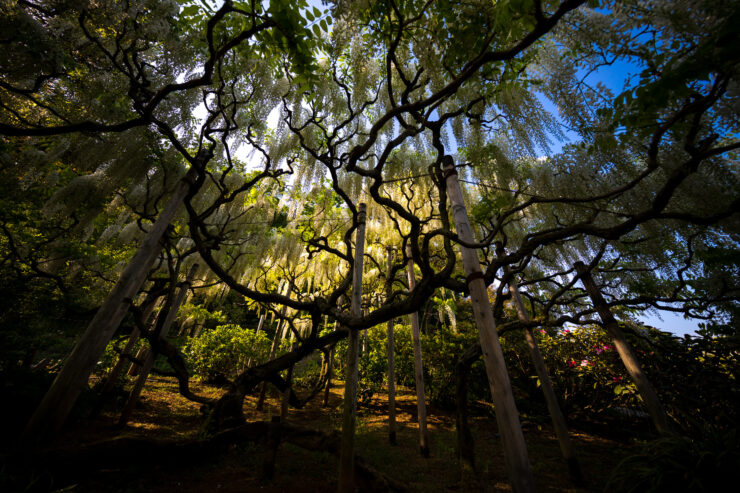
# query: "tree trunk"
69,382
346,483
421,406
146,368
558,420
515,448
391,359
631,363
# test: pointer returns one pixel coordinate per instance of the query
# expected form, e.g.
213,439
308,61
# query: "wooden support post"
631,363
69,382
273,348
140,356
507,417
392,428
556,414
465,444
365,311
117,370
421,407
259,326
285,401
346,483
329,370
123,358
273,443
146,368
330,364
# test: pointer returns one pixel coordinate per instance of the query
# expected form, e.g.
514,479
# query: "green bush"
440,352
583,364
679,463
112,353
226,350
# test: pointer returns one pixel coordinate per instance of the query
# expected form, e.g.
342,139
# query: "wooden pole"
507,417
285,401
117,370
330,364
346,483
329,370
391,358
421,407
556,414
257,331
273,348
631,363
69,382
146,368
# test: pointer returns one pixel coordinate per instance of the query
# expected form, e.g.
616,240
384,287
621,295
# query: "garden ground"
166,420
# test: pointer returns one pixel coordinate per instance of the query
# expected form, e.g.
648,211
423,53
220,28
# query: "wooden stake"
69,382
631,363
330,365
285,398
329,370
117,370
273,348
257,331
421,406
556,414
515,448
391,359
141,355
146,368
346,483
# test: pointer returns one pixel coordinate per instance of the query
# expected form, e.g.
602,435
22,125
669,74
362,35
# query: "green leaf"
190,11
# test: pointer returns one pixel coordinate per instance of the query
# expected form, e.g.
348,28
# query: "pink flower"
542,331
616,379
566,331
584,362
599,350
571,363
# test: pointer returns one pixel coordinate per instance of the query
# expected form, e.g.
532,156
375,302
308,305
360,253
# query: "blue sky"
672,322
616,77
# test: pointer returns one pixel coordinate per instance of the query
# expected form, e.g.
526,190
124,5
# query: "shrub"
679,463
226,350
